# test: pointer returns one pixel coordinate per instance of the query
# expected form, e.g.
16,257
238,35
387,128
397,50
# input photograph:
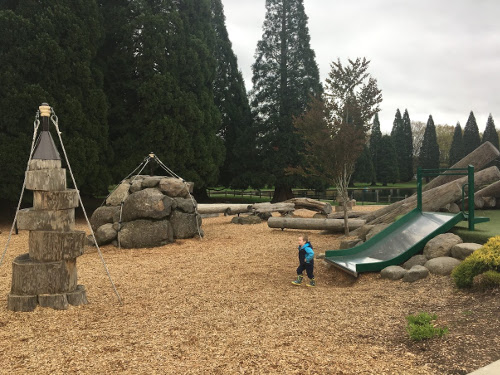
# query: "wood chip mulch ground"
226,305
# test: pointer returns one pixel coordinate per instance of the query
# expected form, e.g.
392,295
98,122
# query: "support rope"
36,125
55,121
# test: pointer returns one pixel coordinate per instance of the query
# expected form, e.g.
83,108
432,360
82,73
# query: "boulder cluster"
147,211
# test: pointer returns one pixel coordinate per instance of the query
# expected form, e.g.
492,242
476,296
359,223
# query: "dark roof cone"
45,148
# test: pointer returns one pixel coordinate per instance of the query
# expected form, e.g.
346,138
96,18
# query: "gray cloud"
431,57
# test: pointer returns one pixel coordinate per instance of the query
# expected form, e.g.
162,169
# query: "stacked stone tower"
47,275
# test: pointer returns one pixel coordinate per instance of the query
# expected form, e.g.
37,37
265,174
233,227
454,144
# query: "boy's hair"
304,237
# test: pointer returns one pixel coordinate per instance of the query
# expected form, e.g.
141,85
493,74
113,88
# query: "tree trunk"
432,199
479,158
492,190
311,204
226,208
282,207
336,225
281,194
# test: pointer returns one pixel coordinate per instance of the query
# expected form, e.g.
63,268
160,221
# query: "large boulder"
105,234
441,265
174,187
119,195
184,225
463,250
147,204
393,273
103,215
150,182
361,232
415,273
145,233
440,246
249,219
347,244
186,205
416,260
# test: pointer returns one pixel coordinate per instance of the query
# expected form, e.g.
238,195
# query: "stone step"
46,179
55,200
48,246
57,220
30,277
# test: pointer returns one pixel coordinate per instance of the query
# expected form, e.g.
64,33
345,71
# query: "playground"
225,305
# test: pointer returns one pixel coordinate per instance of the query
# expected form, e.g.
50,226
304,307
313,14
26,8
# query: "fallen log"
225,208
481,202
311,204
485,198
479,158
433,199
492,190
334,225
350,215
282,207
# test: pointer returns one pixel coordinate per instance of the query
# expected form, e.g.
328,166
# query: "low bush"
488,280
420,327
486,258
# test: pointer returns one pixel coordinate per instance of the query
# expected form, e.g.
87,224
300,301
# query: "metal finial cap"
45,110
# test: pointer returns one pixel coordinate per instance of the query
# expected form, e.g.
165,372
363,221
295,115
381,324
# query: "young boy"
306,260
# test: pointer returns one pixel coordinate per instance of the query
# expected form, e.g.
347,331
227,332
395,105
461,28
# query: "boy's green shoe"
311,283
298,281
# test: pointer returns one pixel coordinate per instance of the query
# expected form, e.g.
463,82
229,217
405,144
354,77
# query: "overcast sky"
438,57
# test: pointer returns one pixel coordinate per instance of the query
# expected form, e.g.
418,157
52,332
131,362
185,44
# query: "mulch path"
225,305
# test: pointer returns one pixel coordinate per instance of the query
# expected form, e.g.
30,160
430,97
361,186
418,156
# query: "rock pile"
147,211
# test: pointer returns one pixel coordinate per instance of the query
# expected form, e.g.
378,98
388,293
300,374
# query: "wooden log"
54,301
21,303
46,179
225,208
479,158
49,246
30,277
78,296
311,204
55,200
282,207
335,225
489,202
492,190
432,200
350,214
60,220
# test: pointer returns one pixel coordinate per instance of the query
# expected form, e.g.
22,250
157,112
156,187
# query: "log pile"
47,275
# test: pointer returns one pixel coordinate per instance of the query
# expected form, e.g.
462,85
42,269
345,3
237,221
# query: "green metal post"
470,173
419,188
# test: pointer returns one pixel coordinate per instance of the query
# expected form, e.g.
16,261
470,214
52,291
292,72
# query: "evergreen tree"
429,152
364,170
285,76
48,55
375,137
457,146
471,137
231,99
163,87
397,140
388,161
406,170
490,133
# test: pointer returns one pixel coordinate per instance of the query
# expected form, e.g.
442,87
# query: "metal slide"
395,244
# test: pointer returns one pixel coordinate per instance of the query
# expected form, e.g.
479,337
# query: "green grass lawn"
482,231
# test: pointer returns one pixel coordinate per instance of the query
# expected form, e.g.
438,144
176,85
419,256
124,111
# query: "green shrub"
488,280
483,259
420,327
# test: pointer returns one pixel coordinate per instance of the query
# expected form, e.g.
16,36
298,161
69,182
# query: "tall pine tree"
388,161
397,140
285,75
231,99
48,55
490,133
375,138
429,152
471,137
457,146
406,170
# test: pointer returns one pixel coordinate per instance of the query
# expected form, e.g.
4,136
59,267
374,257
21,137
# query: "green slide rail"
408,235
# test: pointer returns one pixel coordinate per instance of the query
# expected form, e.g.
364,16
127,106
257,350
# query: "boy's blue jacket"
306,253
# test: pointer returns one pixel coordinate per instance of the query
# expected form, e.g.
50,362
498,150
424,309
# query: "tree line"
127,78
395,157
